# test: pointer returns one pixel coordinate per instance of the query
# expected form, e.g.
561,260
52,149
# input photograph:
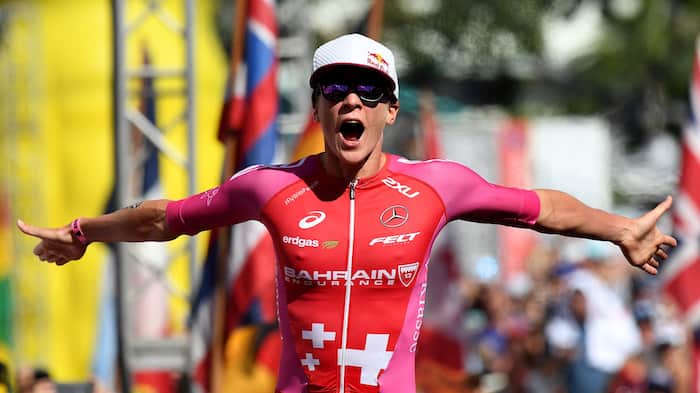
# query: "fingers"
54,258
27,229
54,252
669,241
654,262
42,233
662,207
647,267
661,254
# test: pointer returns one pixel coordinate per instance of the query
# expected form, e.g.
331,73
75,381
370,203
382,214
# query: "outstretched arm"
639,239
143,221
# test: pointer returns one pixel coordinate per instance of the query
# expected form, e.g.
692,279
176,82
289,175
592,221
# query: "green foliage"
464,38
637,74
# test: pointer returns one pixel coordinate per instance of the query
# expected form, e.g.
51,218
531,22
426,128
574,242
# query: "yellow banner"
60,53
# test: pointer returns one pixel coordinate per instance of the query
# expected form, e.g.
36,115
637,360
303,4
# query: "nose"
352,100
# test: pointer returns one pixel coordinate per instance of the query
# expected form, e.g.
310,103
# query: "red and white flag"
682,273
515,244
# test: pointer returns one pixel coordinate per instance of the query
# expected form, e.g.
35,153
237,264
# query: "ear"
392,112
315,115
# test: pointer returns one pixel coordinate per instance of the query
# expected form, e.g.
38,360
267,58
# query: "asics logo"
403,189
314,218
394,216
209,195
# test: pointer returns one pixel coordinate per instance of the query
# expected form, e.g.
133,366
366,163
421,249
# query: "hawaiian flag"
683,270
681,273
249,115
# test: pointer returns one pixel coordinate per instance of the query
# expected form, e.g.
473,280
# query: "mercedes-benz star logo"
394,216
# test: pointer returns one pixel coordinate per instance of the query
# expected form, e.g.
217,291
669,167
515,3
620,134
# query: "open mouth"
352,130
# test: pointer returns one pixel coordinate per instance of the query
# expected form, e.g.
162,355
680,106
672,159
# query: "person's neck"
369,167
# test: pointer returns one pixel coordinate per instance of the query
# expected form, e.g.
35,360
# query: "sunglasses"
369,94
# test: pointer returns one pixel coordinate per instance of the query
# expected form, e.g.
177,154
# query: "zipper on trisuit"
348,287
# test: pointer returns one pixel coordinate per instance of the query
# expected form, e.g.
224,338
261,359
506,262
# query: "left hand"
56,245
643,243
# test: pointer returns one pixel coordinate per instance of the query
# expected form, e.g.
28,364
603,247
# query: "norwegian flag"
249,114
683,270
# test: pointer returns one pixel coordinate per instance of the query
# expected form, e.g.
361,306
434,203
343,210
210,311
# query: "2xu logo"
403,189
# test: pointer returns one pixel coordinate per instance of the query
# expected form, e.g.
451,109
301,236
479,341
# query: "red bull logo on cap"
377,60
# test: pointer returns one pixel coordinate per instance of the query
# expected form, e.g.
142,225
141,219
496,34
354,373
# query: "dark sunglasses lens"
335,91
369,92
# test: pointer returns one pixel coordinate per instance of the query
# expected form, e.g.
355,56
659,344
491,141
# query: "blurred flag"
432,146
152,306
515,243
249,116
440,350
681,273
310,141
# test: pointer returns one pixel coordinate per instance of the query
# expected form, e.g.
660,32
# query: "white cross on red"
310,362
317,335
371,360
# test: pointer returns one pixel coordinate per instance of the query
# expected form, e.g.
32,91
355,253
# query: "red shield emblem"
407,273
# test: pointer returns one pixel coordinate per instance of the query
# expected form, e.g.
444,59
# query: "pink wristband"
78,232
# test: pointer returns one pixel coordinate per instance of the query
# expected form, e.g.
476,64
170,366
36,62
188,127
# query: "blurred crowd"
579,319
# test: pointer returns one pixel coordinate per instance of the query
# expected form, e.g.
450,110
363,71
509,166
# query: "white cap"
355,50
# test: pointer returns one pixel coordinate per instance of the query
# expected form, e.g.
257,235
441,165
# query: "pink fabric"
291,378
469,197
400,375
239,199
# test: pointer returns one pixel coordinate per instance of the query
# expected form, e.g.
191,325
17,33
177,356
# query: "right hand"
642,245
57,245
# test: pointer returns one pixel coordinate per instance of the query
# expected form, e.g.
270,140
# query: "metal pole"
122,169
190,18
191,116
